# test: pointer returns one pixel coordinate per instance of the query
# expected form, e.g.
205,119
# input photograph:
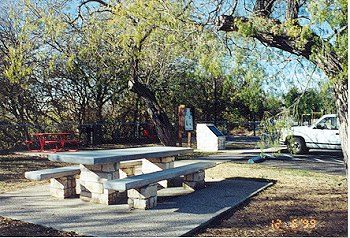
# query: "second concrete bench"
142,189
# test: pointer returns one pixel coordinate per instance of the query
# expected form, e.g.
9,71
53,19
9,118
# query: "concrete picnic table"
99,166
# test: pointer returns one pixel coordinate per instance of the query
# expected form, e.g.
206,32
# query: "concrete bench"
62,180
142,189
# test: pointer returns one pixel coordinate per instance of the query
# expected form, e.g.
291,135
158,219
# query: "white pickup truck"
324,134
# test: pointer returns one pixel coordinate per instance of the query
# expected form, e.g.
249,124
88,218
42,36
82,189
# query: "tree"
249,77
18,94
294,33
84,61
149,34
308,101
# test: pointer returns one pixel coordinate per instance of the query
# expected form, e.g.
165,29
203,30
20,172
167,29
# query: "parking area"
324,161
243,149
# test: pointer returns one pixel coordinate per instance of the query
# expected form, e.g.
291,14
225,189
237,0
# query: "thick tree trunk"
329,62
164,129
341,93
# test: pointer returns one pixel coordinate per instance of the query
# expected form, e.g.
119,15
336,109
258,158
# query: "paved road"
323,161
330,162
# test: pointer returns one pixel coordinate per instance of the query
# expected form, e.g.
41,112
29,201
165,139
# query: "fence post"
254,124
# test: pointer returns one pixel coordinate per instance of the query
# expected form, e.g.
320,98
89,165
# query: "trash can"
91,134
86,134
97,134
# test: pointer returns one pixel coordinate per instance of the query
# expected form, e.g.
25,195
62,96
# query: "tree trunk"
164,129
341,93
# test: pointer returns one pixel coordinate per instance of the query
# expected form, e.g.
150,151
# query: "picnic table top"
116,155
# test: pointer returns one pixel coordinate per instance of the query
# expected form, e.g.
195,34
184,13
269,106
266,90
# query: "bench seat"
52,142
52,173
142,189
62,180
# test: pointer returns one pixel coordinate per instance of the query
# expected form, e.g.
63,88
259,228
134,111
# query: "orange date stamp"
297,223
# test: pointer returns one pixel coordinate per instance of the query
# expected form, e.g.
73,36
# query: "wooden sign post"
181,125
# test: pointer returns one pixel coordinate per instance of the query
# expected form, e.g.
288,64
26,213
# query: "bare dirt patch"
13,167
10,228
299,204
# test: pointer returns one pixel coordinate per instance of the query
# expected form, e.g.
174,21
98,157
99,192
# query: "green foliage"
244,86
309,101
17,70
245,28
17,67
333,15
271,127
320,12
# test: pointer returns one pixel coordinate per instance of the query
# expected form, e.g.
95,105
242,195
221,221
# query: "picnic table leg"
143,198
91,182
194,181
64,187
42,144
156,164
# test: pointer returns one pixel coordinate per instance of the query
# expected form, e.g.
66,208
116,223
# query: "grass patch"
13,167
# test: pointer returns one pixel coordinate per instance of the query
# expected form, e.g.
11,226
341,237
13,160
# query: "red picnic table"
57,139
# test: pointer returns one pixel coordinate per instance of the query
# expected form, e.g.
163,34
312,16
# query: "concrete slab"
176,214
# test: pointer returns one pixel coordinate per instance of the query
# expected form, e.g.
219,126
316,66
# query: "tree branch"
292,9
97,1
312,47
263,7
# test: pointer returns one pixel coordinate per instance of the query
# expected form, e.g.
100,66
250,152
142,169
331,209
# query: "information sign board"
188,120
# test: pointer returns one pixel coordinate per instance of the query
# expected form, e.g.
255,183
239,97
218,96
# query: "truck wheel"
296,145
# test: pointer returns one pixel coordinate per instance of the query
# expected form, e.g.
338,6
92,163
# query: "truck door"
326,133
